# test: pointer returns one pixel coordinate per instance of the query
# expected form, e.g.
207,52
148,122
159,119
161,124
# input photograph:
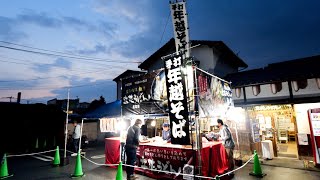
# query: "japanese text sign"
180,27
177,100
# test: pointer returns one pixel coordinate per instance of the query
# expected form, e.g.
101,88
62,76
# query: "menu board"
255,132
315,120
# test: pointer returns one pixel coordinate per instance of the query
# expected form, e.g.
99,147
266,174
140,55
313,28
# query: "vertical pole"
66,128
81,127
121,123
197,121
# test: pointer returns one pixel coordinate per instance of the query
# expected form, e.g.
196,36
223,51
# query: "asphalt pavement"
39,167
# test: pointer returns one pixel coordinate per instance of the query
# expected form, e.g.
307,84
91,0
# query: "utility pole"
66,132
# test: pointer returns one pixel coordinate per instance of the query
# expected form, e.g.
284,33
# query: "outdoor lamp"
153,123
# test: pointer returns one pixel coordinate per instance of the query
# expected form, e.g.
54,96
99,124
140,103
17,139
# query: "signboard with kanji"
180,27
177,100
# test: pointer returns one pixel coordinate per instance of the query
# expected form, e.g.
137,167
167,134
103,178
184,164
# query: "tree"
97,103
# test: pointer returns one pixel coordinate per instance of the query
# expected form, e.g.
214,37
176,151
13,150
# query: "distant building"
277,98
62,104
214,57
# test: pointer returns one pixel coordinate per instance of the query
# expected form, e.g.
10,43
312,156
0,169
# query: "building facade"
277,99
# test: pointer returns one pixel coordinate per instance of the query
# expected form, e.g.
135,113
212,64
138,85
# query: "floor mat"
287,155
283,148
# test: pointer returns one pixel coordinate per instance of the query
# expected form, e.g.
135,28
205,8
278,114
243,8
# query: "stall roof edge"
128,72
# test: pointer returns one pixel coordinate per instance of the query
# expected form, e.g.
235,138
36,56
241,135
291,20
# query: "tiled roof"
303,68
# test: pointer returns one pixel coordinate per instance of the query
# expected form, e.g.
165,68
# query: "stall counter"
170,157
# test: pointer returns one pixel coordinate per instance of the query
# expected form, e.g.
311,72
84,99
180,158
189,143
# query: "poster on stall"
177,100
144,94
215,96
315,121
303,139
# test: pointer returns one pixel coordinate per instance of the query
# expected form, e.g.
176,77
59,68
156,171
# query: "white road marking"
98,156
42,159
49,157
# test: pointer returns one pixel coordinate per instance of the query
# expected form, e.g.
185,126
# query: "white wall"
311,90
301,111
205,55
266,92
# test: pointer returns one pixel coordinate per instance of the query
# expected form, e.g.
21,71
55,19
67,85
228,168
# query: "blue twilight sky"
120,33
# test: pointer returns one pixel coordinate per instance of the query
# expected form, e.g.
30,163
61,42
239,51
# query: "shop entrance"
277,123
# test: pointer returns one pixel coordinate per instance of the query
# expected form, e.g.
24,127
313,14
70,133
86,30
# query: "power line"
52,77
164,30
13,62
55,87
6,42
66,56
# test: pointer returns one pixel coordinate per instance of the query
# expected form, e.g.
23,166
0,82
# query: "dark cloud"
9,30
41,19
60,62
92,90
99,48
136,46
106,28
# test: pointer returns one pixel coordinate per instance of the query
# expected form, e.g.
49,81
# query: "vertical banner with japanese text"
177,100
180,27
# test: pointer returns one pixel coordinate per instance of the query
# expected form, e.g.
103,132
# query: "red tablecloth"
219,160
172,158
112,150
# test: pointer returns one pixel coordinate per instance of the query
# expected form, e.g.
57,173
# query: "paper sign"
303,139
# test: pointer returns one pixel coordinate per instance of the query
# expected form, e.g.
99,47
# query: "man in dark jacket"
227,141
132,144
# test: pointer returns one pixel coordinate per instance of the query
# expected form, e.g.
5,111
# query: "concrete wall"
266,92
310,91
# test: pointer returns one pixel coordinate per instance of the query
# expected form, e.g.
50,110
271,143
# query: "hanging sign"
215,96
180,27
177,100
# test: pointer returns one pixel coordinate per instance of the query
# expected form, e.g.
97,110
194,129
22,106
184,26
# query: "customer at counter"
132,144
166,134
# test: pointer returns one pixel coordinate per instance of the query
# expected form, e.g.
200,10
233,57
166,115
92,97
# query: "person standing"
227,141
132,143
76,137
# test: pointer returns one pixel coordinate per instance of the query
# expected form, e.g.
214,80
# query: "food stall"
206,98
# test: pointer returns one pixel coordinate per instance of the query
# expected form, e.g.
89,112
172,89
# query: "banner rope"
30,154
169,172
